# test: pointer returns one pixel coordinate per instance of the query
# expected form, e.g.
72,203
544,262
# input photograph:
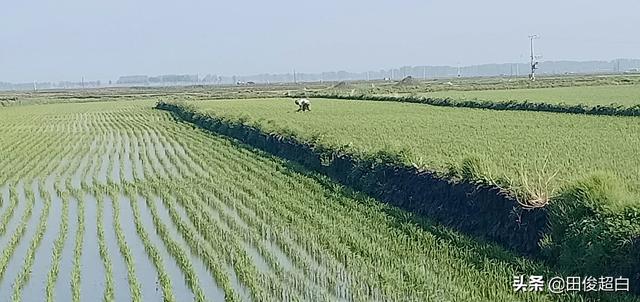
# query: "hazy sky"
48,40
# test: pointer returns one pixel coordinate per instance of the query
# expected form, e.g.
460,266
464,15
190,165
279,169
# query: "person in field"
303,105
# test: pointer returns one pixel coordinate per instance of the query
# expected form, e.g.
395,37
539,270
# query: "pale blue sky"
48,40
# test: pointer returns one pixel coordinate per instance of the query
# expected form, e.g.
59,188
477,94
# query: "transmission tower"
534,63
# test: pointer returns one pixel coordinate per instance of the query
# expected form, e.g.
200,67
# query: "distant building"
135,79
175,79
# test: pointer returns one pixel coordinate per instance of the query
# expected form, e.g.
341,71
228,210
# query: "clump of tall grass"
595,228
530,190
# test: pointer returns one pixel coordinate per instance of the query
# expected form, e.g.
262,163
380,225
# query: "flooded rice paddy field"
120,202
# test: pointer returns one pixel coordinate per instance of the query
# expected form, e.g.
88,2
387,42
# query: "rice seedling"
77,251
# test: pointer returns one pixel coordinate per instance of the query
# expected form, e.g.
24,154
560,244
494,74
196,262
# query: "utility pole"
534,63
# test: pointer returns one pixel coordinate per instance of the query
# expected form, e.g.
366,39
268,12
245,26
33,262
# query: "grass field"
116,201
523,149
625,95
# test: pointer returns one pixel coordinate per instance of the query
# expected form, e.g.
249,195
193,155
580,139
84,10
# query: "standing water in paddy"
208,284
145,271
92,271
180,289
25,231
35,288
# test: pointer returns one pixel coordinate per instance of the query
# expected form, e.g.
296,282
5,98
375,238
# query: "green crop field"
522,149
625,95
116,201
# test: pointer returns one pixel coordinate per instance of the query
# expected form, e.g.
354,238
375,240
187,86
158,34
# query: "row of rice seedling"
77,250
23,276
10,247
9,211
124,249
152,251
56,256
109,287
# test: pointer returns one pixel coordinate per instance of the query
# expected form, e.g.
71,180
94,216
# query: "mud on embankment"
569,235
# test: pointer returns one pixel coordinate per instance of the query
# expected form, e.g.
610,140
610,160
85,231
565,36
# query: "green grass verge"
625,95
